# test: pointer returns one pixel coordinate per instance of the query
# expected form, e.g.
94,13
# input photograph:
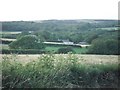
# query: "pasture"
77,50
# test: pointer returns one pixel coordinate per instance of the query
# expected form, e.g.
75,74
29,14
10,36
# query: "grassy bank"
66,72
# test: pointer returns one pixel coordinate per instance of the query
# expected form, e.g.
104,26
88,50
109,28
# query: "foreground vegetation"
62,72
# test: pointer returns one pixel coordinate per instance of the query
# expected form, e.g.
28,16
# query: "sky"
17,10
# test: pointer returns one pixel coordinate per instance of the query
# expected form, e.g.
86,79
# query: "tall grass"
63,72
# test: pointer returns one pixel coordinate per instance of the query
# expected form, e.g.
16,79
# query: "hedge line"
10,36
5,42
22,51
61,45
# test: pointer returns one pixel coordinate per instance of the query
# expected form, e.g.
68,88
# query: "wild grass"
63,72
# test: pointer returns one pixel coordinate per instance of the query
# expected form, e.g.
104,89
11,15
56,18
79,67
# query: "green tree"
27,42
90,38
76,38
102,46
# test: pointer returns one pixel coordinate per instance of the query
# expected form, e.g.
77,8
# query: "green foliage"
23,33
52,30
27,42
91,38
62,72
57,25
76,38
6,42
100,46
22,51
11,36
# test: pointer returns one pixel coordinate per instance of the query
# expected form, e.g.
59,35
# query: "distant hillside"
56,25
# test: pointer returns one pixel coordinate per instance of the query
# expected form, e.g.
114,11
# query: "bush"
27,42
108,47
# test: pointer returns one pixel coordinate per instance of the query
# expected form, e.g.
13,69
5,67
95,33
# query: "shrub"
100,46
27,42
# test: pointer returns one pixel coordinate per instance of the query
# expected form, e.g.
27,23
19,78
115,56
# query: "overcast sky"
15,10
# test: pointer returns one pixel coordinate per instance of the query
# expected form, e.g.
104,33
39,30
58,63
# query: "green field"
77,50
